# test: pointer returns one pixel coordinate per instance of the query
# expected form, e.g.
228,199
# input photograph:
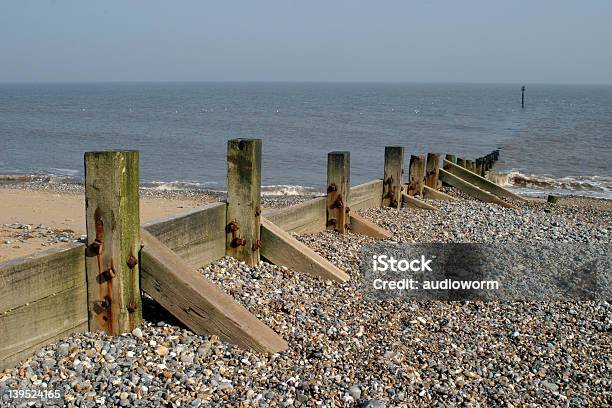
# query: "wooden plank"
471,189
244,199
24,329
280,248
338,190
451,158
366,195
416,175
431,170
27,279
393,176
199,303
308,217
431,194
113,236
480,182
410,201
197,236
43,297
363,226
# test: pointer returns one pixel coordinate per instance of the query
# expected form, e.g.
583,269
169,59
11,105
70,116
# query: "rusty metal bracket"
132,306
332,187
256,245
339,203
236,242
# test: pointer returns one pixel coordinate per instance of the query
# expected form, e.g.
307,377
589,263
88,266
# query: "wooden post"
523,96
432,167
393,175
338,188
113,241
460,162
243,200
470,165
479,167
416,175
451,158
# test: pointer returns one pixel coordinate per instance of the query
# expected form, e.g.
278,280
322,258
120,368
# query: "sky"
512,41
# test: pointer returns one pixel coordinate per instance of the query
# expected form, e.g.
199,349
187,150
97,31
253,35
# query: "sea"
560,142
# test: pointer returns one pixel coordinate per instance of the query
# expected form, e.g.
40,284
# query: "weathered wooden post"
470,165
338,188
416,175
479,167
523,96
393,176
243,200
460,162
451,158
113,241
432,169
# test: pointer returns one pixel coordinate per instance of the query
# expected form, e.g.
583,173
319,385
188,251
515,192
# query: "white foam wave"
179,185
534,184
288,190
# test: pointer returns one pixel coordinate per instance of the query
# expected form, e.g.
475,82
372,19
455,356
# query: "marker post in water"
523,97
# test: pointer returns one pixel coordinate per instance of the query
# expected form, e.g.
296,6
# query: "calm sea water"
561,141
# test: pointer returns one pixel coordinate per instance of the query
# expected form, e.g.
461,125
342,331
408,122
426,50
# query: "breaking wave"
533,184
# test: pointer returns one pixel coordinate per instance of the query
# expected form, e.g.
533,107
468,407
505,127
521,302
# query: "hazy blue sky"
557,41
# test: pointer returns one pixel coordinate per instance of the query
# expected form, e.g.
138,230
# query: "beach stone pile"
20,233
346,351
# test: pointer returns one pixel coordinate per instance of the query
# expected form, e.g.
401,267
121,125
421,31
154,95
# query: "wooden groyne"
97,286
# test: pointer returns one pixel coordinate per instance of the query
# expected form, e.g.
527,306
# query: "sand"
61,212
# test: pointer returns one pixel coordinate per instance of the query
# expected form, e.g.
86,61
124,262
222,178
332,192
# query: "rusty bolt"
257,211
233,227
331,222
106,302
348,210
347,226
96,247
332,187
256,245
109,274
132,262
132,306
236,242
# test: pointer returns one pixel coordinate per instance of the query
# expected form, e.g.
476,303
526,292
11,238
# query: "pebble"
137,332
344,351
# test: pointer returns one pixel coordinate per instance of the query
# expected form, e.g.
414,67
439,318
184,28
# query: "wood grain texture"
366,195
431,170
363,226
197,236
42,297
280,248
480,182
431,194
338,190
308,217
416,175
197,302
113,226
393,176
244,198
471,189
410,201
